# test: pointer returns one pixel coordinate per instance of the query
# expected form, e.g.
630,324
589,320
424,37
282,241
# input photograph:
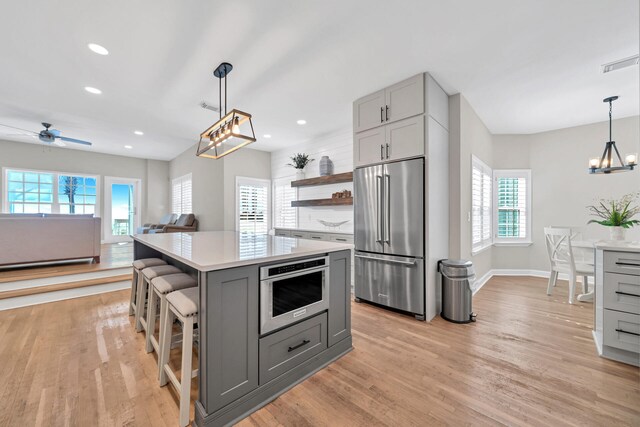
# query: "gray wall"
214,182
467,136
153,173
561,186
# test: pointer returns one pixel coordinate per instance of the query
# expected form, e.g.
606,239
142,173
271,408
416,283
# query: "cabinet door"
368,147
318,236
368,112
228,322
339,296
404,99
405,138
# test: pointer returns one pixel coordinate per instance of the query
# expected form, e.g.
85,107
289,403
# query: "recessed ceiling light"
128,147
138,132
92,90
302,122
100,50
266,136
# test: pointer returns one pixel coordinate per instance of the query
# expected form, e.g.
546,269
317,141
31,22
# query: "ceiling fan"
49,136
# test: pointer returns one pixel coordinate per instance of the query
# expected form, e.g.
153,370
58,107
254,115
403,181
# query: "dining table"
585,252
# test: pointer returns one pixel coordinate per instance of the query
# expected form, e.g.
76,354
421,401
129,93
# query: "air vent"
207,106
621,63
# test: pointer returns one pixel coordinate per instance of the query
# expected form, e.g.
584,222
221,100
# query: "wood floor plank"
529,360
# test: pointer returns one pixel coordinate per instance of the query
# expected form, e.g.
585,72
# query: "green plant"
300,160
617,213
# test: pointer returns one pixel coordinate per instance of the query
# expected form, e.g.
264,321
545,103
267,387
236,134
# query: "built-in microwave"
293,291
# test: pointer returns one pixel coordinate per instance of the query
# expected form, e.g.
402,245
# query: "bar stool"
160,287
183,305
138,265
148,274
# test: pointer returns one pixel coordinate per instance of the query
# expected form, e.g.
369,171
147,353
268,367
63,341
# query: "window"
512,201
252,201
49,192
481,218
181,193
284,216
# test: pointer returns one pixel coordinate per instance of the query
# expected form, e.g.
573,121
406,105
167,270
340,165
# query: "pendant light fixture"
605,163
232,131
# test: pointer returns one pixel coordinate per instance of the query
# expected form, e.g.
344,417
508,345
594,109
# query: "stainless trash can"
457,277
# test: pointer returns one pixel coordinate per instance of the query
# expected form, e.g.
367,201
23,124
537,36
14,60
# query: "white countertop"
620,246
217,250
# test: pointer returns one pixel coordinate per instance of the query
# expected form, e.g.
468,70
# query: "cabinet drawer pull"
381,111
316,237
381,152
344,240
628,264
628,294
387,150
386,114
627,332
297,346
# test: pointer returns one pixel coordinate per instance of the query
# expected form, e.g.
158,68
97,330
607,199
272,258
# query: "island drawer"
622,262
622,292
622,330
285,349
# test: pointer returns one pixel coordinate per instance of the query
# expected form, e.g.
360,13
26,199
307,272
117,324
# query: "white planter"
617,233
299,174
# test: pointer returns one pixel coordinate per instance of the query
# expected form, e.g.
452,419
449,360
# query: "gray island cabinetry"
273,311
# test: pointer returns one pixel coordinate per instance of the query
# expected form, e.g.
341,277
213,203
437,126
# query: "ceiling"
525,66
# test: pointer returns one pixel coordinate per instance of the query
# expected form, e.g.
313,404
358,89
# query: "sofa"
168,219
184,223
31,238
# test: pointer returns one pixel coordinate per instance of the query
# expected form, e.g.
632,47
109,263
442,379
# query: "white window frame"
55,205
276,182
250,181
181,180
512,241
484,243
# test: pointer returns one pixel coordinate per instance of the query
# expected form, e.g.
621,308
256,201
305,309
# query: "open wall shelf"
322,202
324,180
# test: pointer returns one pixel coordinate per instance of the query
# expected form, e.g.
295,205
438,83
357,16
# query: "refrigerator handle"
379,212
387,207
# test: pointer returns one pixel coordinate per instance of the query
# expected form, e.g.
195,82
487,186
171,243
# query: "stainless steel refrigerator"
389,235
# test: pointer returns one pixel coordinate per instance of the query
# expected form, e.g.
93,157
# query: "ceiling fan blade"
55,132
30,132
59,143
76,141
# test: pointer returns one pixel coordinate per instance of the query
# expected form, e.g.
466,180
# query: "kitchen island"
617,301
273,311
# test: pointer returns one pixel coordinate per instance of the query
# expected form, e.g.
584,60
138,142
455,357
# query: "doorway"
122,208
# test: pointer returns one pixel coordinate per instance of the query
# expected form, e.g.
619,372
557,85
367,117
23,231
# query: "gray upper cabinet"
404,99
369,147
404,138
368,112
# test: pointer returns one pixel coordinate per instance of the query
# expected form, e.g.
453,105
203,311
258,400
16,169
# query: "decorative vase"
326,166
299,174
617,233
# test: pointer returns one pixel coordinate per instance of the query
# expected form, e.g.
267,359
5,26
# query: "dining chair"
562,260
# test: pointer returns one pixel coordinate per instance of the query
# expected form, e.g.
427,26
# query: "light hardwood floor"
529,360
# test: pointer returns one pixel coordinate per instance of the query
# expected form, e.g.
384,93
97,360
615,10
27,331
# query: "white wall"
213,183
339,148
467,136
562,188
153,173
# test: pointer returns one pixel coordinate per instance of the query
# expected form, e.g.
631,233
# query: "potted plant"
617,214
299,162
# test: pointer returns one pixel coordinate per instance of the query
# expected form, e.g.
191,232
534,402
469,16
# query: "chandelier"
232,131
604,164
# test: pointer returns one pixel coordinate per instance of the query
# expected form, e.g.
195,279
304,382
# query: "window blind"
481,213
512,198
284,216
252,198
181,195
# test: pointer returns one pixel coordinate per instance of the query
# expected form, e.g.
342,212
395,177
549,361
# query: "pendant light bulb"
594,163
236,126
631,159
227,129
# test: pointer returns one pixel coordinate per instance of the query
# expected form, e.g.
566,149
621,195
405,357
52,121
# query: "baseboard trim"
42,298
